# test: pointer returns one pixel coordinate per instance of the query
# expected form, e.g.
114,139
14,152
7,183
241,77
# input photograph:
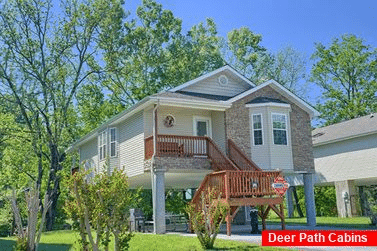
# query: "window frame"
279,129
102,144
115,142
261,129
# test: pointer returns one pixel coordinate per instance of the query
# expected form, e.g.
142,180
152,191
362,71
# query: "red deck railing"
238,184
239,158
189,146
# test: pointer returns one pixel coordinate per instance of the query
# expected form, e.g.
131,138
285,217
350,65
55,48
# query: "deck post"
289,199
282,216
263,218
227,197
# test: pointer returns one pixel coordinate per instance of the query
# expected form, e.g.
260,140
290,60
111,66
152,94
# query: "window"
102,140
113,142
279,126
257,129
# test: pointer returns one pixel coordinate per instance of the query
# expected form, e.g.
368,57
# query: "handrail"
219,160
240,184
237,156
189,146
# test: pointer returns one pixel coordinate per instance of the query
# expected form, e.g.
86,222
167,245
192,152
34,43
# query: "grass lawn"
65,240
354,222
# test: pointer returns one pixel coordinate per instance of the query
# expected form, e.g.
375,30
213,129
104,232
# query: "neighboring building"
198,124
346,156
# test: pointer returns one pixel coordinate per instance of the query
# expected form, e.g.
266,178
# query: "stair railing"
238,157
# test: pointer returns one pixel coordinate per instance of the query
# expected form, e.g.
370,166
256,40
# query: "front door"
202,126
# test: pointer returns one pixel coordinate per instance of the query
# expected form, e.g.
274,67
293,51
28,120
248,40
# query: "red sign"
280,186
319,238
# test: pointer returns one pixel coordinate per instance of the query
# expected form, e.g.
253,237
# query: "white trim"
102,136
252,128
268,104
313,112
210,74
202,118
116,142
206,105
286,128
343,138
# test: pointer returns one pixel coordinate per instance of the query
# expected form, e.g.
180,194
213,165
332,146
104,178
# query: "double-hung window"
102,140
257,129
279,127
113,142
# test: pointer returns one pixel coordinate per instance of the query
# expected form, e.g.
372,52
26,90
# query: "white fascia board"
195,104
268,104
275,85
210,74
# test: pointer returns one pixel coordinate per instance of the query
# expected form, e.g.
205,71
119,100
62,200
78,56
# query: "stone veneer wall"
178,163
238,128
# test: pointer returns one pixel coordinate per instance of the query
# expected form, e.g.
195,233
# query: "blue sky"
298,23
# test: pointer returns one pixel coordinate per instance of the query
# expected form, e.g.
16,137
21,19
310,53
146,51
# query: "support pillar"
309,199
346,198
289,199
158,195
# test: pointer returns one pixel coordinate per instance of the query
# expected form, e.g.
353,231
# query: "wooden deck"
189,146
244,188
237,178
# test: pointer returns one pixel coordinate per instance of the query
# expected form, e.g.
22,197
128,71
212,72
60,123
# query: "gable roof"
349,129
210,74
177,97
283,91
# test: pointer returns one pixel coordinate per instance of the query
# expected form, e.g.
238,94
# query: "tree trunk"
53,188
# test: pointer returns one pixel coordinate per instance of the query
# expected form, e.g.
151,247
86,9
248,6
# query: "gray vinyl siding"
218,129
347,160
212,86
148,122
89,153
131,144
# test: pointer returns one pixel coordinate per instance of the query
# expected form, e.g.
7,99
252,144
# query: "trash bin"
254,220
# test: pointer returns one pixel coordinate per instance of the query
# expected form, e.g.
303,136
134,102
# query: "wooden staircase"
241,183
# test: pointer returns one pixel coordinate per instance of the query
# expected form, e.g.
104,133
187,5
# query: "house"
218,122
346,156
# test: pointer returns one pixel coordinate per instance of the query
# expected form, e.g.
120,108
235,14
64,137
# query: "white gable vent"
223,80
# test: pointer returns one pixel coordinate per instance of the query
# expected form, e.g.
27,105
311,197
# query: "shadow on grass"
7,245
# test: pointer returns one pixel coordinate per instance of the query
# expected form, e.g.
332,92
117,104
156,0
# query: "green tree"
137,57
44,60
206,217
102,204
346,71
243,50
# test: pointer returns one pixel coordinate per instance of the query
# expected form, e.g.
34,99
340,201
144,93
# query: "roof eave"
343,138
306,107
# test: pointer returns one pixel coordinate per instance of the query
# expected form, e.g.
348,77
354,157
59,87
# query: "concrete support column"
289,199
309,199
158,195
346,198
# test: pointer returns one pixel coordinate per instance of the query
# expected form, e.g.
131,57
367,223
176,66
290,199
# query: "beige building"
345,155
